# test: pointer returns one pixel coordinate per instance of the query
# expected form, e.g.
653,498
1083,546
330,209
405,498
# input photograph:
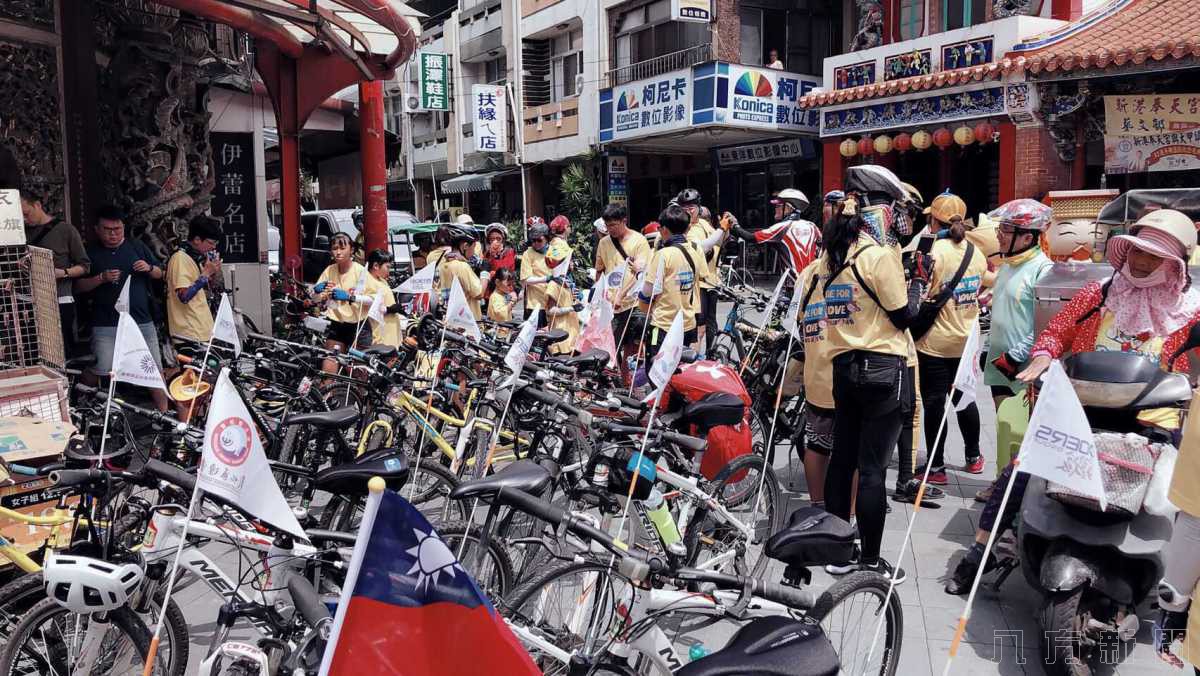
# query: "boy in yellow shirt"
387,332
671,281
462,242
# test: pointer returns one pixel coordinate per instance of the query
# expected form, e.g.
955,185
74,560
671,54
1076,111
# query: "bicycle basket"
1126,467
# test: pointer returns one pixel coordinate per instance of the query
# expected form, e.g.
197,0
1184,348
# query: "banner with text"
234,198
1151,132
433,81
766,98
692,10
491,118
646,107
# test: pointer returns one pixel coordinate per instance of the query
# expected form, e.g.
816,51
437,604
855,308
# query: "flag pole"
112,388
437,362
758,335
762,479
987,549
645,325
199,379
148,668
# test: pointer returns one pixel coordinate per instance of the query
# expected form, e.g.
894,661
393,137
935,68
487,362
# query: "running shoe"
847,567
881,566
974,466
937,477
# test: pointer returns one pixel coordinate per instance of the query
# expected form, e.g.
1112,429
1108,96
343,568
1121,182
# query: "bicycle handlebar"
307,601
771,591
156,416
556,402
684,440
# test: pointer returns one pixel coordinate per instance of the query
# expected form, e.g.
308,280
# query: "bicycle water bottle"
664,523
696,652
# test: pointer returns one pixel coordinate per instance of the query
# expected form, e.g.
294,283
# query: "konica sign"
762,97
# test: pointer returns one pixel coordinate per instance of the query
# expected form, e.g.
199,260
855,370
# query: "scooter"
1095,568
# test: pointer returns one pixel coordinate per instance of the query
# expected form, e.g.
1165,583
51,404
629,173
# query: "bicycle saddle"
384,352
80,363
813,537
593,361
548,337
338,418
771,646
522,475
351,478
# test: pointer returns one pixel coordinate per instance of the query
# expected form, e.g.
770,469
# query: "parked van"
319,226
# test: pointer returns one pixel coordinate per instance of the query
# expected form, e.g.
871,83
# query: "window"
752,49
566,62
911,20
393,109
646,32
496,71
963,13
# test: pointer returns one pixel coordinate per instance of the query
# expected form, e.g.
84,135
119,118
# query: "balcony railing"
551,121
684,58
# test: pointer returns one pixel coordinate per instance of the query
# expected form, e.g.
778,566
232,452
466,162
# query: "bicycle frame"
57,517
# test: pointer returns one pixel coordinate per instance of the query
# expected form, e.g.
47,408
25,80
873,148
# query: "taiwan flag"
408,607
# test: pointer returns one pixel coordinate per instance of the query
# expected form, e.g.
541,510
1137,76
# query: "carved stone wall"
30,121
37,13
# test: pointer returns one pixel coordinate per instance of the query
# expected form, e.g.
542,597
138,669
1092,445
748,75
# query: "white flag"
966,379
519,352
378,310
225,327
778,291
132,361
1058,444
791,318
641,281
233,464
667,359
421,282
562,268
458,313
361,284
122,304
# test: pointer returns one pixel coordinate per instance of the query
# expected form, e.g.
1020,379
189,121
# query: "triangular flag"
667,359
641,282
378,310
122,304
233,464
458,313
1058,444
966,379
421,282
519,352
778,290
132,361
597,328
225,326
791,317
361,284
562,268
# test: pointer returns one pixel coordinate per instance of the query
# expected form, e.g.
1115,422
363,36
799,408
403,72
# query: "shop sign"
433,81
235,195
934,109
1151,133
12,221
646,107
786,149
762,97
692,10
491,118
618,178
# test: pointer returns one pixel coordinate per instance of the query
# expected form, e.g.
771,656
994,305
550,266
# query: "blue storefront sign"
934,109
646,107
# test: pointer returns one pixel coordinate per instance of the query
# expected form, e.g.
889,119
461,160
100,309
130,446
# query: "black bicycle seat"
339,418
593,361
352,478
771,646
381,351
813,537
522,475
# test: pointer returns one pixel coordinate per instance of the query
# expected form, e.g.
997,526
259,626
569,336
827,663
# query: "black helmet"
456,233
687,196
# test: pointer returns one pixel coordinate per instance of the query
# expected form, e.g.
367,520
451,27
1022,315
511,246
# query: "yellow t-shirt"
679,289
948,334
609,261
569,322
1185,483
471,286
698,232
533,264
349,311
498,308
192,319
852,320
818,363
388,332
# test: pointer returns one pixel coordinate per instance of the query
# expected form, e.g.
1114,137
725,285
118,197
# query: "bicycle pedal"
797,576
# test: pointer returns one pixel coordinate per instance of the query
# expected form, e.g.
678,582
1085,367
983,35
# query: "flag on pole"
403,575
778,290
966,379
224,326
519,352
421,282
122,304
361,284
132,361
667,359
791,318
233,464
597,330
641,282
562,268
1058,444
458,313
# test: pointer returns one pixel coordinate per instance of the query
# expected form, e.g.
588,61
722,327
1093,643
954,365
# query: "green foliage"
580,202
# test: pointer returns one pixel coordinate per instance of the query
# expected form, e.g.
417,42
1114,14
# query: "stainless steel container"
1061,284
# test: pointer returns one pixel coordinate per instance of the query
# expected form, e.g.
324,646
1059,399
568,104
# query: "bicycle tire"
452,534
860,627
704,524
123,619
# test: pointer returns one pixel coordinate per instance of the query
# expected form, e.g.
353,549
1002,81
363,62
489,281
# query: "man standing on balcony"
773,61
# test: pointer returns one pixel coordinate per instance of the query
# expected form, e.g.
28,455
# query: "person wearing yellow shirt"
818,394
621,255
188,314
337,288
387,332
535,272
504,297
562,313
702,234
671,284
456,266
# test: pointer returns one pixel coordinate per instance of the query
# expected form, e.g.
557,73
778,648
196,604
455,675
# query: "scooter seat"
522,475
351,478
338,418
1124,380
771,646
813,537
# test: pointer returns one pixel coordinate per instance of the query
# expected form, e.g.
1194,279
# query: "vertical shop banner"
433,81
692,10
618,178
1151,132
765,98
12,219
235,195
645,107
491,118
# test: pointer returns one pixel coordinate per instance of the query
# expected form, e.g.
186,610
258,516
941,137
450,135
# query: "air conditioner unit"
412,104
579,80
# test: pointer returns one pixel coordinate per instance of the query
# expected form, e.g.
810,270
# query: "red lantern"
902,142
866,147
942,138
984,132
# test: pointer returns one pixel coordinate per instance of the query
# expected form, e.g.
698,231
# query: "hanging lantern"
922,140
984,132
883,144
848,147
964,136
865,147
903,142
942,138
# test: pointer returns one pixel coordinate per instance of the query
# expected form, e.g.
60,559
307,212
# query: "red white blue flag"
409,608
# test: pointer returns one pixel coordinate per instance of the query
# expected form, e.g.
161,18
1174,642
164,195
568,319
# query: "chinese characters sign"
1152,132
433,81
651,106
491,118
691,10
234,197
761,97
618,174
759,152
12,223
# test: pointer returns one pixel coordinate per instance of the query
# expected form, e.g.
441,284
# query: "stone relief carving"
30,120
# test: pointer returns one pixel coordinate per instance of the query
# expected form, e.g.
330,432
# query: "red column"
288,123
1008,161
1066,10
831,166
374,163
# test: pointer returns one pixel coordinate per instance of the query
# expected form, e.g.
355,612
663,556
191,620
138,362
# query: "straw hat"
183,387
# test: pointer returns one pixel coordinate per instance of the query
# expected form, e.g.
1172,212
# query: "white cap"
600,227
464,219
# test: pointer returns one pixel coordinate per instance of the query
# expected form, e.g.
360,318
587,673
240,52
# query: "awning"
473,182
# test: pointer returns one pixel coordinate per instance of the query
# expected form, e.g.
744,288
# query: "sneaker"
974,466
886,569
937,477
907,492
964,573
847,567
984,495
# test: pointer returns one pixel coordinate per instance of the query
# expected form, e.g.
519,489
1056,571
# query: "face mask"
1159,276
540,249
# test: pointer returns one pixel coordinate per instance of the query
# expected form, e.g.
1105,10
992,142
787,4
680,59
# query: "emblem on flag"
231,441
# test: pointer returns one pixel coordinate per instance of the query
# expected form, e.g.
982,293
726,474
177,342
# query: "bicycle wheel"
576,606
492,569
50,638
737,488
428,489
849,611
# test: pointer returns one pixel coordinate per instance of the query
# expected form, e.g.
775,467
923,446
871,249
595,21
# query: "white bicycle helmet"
86,585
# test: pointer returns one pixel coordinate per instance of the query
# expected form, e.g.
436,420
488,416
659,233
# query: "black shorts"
1002,391
628,324
655,337
818,429
342,332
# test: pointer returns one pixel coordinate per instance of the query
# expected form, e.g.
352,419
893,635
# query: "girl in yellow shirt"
336,288
503,297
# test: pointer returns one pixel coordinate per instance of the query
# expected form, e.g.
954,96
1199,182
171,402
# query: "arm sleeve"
1056,338
904,316
186,295
712,241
